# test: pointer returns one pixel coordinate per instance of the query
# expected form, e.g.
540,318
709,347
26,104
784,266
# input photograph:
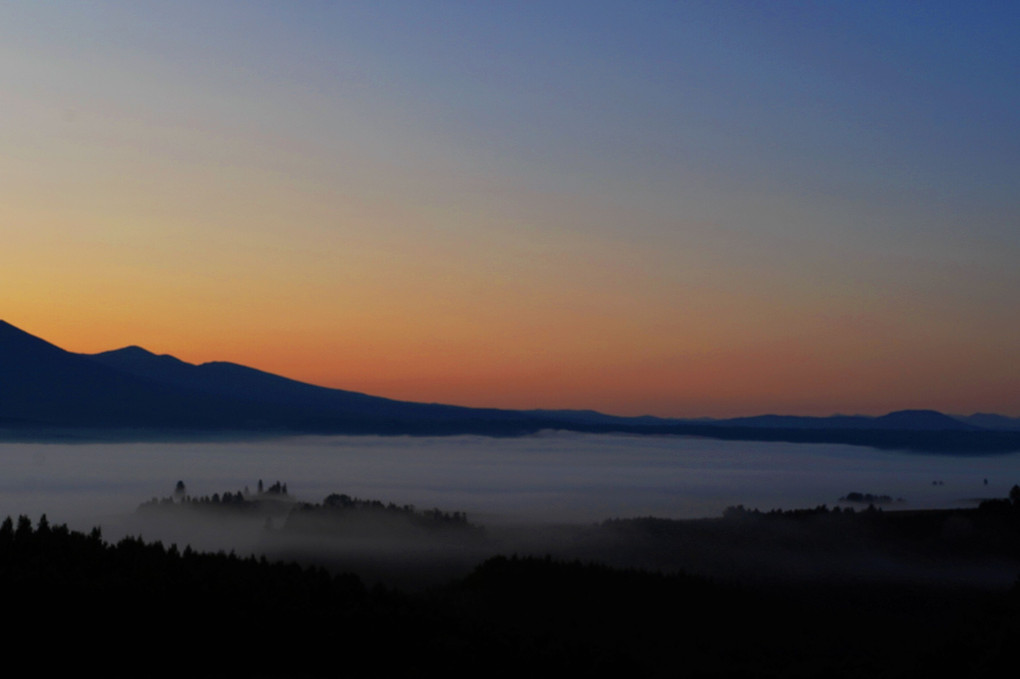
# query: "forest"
209,613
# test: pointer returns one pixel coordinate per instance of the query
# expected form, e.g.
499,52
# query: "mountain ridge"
45,388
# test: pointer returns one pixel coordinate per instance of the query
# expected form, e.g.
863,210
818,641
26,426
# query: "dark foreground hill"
144,609
49,393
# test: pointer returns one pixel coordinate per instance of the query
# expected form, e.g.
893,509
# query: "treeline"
976,547
1008,507
343,516
158,610
147,609
740,511
337,504
235,500
337,511
174,609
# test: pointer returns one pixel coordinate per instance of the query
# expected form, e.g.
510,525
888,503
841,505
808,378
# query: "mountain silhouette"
991,421
907,420
925,420
248,384
43,386
47,392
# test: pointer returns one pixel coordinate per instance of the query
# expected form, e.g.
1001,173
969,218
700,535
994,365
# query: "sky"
683,209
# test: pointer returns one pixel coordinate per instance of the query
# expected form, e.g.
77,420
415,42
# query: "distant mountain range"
130,393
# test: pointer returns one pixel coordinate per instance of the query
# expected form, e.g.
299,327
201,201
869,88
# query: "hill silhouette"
250,385
48,392
46,387
919,420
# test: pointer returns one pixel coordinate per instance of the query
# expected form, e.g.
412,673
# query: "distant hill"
915,420
991,421
47,392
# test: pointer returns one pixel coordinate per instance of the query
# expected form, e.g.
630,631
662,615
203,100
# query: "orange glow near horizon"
785,378
496,321
512,223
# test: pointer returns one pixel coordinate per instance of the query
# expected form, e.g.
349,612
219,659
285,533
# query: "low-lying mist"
543,494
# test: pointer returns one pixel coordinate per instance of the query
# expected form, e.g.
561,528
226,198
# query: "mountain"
240,383
991,421
922,420
44,387
48,392
909,420
595,418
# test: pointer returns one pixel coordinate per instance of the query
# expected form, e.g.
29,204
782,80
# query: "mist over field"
549,478
522,490
535,571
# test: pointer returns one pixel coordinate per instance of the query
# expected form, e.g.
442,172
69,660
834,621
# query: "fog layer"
548,478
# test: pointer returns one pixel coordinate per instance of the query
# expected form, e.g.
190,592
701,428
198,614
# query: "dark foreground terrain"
145,609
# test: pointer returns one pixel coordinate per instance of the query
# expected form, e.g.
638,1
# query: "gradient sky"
675,208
